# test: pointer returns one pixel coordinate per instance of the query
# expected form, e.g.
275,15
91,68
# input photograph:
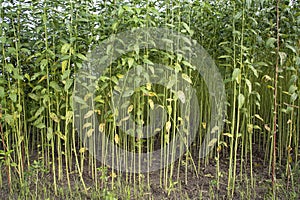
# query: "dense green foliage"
44,43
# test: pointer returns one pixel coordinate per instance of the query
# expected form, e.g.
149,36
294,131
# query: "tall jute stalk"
275,97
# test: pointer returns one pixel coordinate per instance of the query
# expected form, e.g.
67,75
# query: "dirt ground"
190,186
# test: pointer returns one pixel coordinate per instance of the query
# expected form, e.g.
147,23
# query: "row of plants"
44,44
